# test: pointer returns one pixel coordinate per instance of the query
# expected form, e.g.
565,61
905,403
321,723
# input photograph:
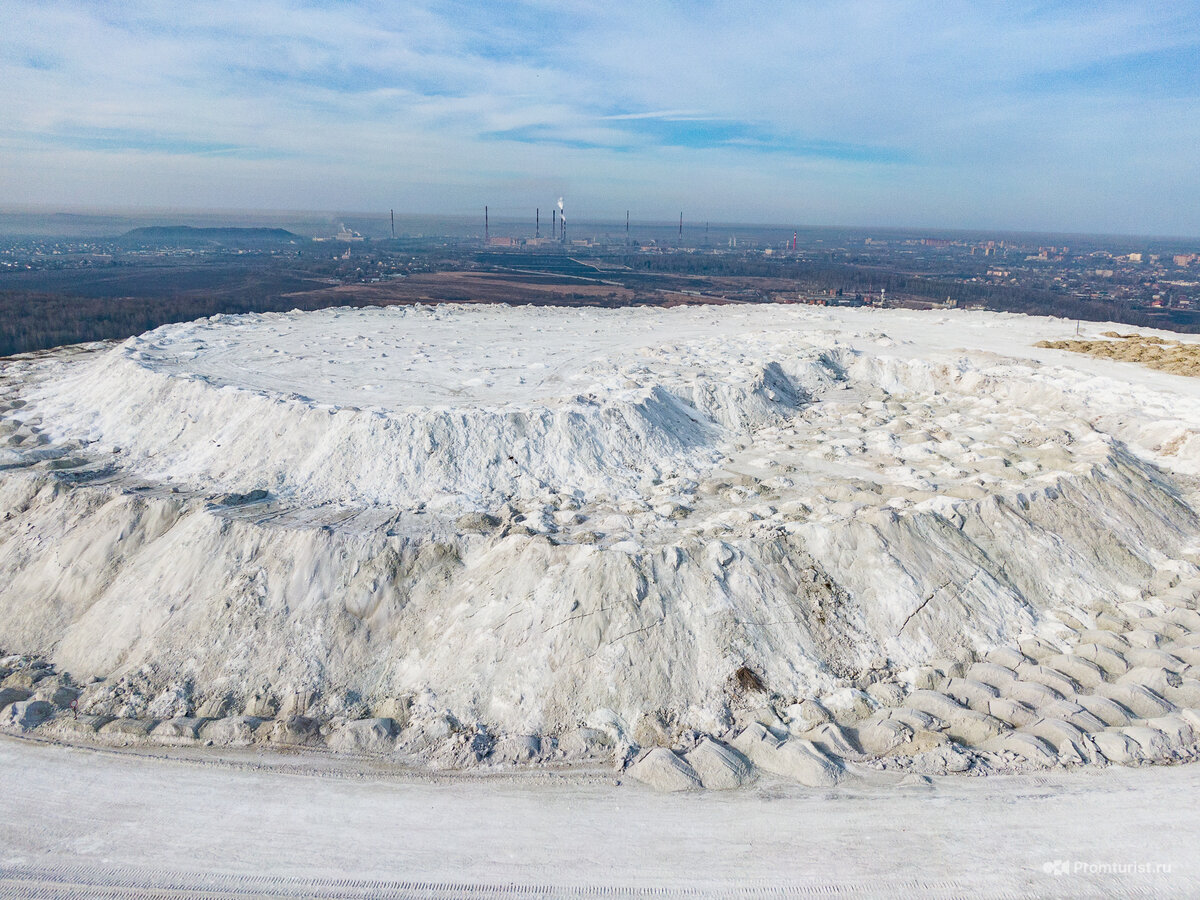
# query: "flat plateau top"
400,357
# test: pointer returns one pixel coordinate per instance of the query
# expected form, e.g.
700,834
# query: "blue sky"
1047,116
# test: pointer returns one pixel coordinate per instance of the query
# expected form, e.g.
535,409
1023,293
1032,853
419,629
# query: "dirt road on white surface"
84,823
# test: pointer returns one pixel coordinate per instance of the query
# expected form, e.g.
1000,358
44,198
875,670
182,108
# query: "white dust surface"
404,405
97,818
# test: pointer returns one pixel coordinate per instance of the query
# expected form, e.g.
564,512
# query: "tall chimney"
393,224
681,226
537,222
485,225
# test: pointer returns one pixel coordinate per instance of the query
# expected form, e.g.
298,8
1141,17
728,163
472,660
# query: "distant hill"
188,235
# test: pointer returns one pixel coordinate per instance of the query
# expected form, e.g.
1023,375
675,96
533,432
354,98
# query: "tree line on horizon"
39,320
31,321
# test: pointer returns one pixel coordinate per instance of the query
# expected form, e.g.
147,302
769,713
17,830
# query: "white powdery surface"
533,519
137,828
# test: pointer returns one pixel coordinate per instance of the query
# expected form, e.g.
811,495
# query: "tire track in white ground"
83,824
90,883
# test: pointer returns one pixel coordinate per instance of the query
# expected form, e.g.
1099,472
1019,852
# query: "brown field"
1158,353
497,287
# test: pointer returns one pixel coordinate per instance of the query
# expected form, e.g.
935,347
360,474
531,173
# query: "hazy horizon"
112,221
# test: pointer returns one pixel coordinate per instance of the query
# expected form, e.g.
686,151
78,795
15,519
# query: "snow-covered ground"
492,536
94,824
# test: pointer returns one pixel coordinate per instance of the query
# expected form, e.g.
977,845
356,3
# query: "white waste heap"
618,528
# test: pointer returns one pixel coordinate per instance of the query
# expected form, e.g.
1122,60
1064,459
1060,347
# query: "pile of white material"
565,528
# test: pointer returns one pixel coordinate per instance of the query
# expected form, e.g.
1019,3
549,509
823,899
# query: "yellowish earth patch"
1175,357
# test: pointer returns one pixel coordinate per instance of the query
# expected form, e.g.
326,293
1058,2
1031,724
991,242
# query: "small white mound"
376,735
719,767
665,771
793,758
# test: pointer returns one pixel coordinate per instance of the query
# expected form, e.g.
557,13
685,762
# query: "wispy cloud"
646,132
1161,72
673,115
121,140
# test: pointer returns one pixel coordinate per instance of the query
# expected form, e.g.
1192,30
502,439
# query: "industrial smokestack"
537,222
393,224
554,222
681,226
485,225
562,221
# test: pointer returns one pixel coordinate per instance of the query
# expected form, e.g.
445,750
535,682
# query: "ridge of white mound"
396,406
651,522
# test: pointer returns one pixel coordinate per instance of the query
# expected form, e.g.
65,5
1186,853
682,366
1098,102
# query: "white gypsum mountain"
520,521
